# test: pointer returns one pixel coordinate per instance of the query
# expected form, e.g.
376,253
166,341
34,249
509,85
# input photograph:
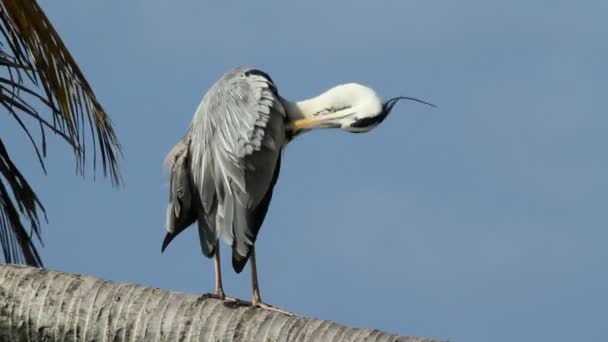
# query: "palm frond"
12,231
41,81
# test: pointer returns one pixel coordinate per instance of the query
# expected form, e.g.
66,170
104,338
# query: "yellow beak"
305,124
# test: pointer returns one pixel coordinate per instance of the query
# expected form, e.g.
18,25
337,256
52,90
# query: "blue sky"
483,219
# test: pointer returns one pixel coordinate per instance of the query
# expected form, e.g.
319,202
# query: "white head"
352,107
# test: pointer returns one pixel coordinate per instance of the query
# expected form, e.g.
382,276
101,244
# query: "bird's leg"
257,299
219,288
254,279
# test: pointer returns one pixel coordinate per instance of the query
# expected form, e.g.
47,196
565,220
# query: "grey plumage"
184,203
224,171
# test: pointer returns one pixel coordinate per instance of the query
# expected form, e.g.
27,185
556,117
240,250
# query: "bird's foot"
217,295
212,295
265,306
230,302
234,303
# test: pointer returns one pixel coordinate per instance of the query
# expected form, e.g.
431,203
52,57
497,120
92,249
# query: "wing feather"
183,198
237,134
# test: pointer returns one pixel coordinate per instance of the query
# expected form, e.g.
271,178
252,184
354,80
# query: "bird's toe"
265,306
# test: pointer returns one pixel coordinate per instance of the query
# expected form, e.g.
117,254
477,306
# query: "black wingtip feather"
168,238
238,261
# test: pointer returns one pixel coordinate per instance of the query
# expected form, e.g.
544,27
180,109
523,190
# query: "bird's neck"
304,109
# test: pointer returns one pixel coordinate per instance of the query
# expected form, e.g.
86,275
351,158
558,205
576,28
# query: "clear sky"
482,220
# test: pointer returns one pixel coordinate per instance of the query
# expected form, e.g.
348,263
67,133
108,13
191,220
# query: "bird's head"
351,107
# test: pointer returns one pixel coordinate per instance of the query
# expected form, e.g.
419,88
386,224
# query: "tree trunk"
42,305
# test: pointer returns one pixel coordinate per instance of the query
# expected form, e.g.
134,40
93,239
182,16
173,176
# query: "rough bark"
42,305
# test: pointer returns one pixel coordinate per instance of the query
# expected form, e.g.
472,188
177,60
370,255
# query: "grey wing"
237,135
183,197
184,206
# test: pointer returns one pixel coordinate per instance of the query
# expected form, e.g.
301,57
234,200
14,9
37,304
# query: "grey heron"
223,171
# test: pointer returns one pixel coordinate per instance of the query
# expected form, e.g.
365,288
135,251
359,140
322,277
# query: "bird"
224,169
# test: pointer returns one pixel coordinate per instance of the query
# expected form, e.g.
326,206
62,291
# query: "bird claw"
265,306
220,296
234,303
211,295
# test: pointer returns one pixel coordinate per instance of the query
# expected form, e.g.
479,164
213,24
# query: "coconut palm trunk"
42,305
42,90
